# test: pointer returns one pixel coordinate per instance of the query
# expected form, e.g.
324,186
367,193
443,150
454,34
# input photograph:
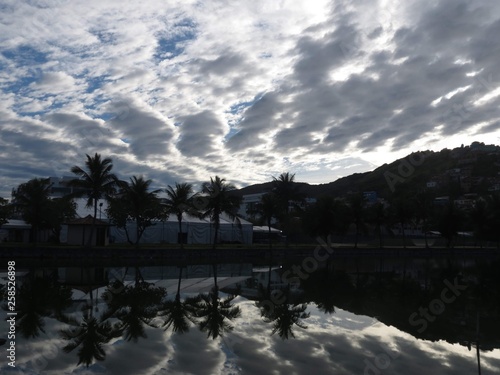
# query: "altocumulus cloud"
185,90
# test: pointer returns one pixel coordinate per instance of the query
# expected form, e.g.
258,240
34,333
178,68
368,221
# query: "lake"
350,315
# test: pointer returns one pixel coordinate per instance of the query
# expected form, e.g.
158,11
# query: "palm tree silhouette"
135,201
135,306
95,182
89,336
267,209
178,202
177,313
212,313
284,315
219,201
286,191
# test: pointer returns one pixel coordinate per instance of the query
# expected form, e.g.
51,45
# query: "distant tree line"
284,207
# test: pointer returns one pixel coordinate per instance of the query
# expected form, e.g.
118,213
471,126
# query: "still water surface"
347,316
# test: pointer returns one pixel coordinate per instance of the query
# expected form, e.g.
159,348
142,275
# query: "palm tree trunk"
179,218
137,234
216,226
214,266
179,283
92,227
270,241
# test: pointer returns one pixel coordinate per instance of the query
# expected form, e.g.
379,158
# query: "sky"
181,91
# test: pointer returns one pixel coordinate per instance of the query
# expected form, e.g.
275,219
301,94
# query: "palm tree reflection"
89,335
135,306
213,313
37,298
176,313
279,308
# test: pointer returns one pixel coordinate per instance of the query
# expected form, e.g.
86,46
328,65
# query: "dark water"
347,316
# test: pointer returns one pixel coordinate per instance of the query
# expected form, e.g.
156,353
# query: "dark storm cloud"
199,134
147,134
392,99
89,135
223,64
257,120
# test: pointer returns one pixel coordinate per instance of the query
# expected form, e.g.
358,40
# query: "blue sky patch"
170,47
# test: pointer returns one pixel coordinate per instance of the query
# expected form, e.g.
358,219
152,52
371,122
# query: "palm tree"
267,209
219,201
378,215
95,182
423,210
32,200
179,201
136,202
357,206
286,191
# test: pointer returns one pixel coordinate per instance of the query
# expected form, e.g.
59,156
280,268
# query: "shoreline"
259,255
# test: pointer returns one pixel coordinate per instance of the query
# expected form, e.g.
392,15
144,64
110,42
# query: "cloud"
187,89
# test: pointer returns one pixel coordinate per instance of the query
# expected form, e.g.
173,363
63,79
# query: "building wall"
79,235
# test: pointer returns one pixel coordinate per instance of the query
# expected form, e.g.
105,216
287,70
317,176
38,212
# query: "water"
346,316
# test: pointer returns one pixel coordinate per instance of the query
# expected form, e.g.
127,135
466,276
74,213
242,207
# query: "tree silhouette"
286,191
267,209
89,336
219,200
357,208
323,217
213,313
479,219
5,211
37,298
179,201
135,202
450,222
377,215
95,182
423,211
284,315
60,210
135,306
31,199
178,314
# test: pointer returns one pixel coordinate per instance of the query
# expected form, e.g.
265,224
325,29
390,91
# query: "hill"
466,169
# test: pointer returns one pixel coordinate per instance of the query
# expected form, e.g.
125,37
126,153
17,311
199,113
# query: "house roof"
16,224
87,220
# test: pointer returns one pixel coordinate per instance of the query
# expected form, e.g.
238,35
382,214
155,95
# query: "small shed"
79,231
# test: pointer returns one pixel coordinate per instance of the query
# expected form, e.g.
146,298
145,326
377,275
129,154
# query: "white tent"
197,231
